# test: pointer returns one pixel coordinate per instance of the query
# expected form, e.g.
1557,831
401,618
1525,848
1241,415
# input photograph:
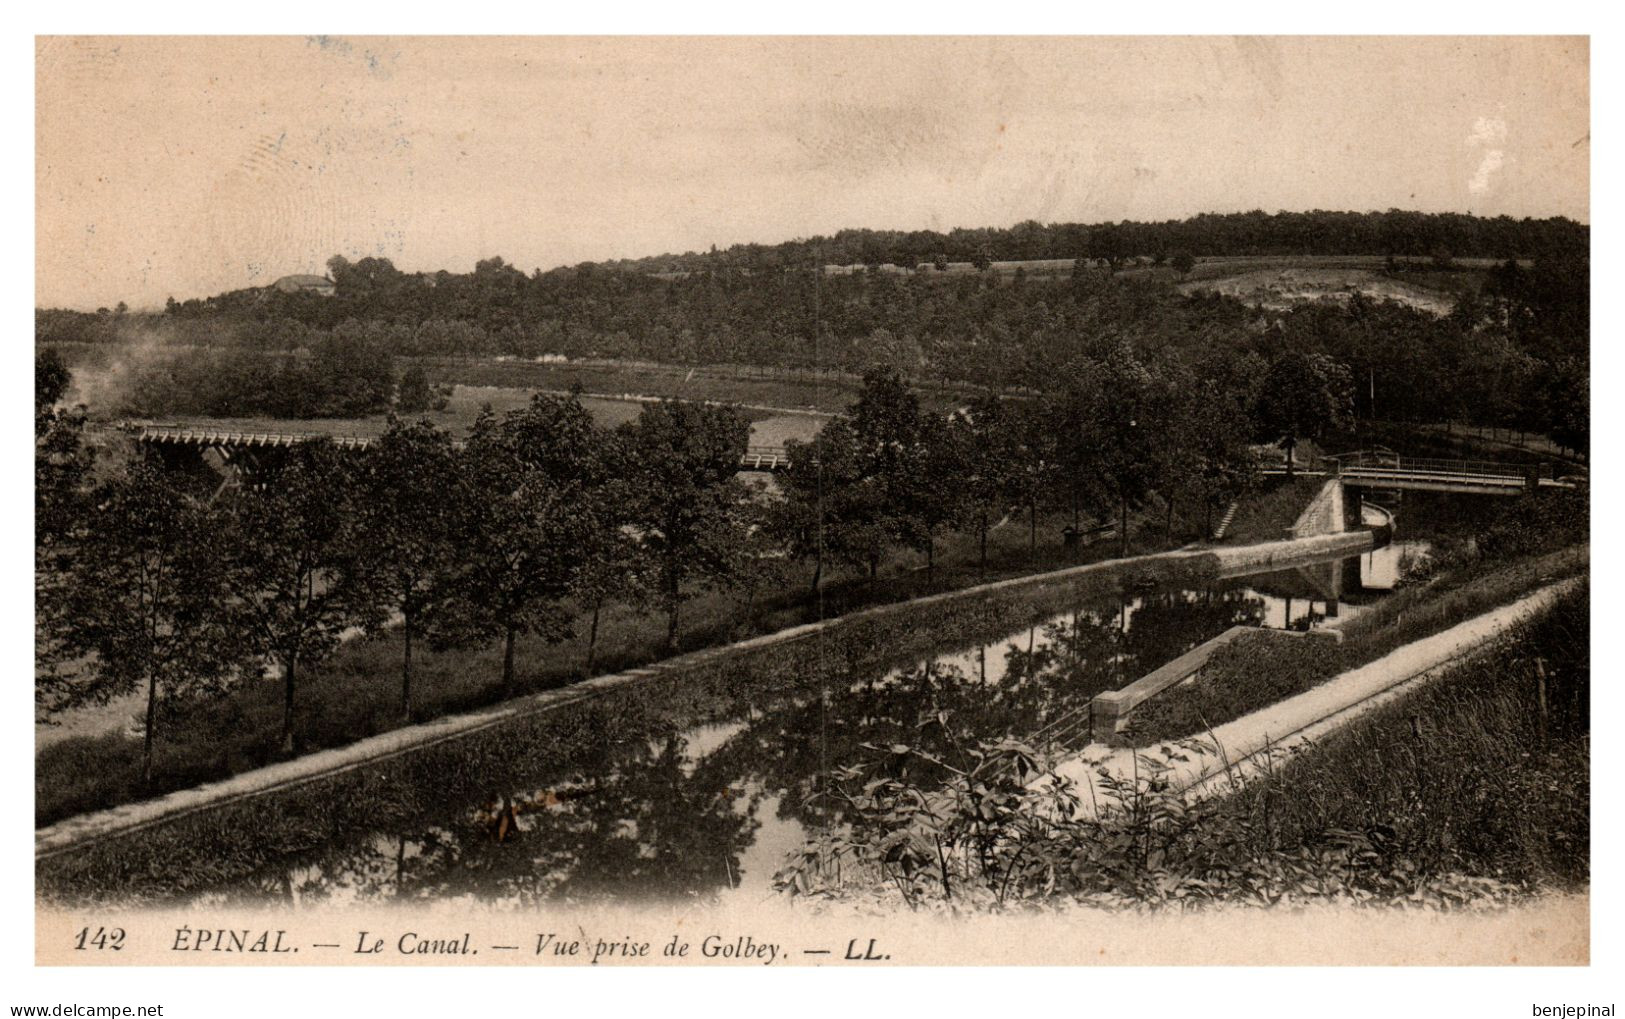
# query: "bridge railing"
1385,461
770,458
1483,468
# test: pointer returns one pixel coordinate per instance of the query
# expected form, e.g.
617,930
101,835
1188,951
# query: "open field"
751,387
1281,281
767,428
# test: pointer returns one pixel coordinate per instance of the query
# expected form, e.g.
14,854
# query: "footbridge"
1389,471
1385,469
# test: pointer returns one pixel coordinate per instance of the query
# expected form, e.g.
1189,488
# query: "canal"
702,801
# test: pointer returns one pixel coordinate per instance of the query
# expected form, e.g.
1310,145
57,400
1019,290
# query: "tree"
930,496
289,557
686,503
612,567
1037,462
1182,262
406,527
148,604
1213,460
415,394
1067,417
62,472
889,460
533,497
1121,423
62,460
51,381
990,461
1304,396
1564,404
1107,243
834,512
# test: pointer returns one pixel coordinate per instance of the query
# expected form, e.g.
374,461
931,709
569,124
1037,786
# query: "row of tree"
541,517
1106,433
1394,232
145,583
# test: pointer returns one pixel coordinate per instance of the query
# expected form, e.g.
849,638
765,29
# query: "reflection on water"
659,810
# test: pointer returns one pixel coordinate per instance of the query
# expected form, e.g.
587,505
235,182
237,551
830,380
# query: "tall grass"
1261,669
1485,771
1474,789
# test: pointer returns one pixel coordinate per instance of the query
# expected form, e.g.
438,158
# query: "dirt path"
1243,745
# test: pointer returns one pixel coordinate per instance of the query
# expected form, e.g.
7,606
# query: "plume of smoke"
108,387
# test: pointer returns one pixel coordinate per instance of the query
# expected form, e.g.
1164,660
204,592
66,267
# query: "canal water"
662,807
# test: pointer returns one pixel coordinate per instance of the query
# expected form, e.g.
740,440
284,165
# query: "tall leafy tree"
534,478
931,494
290,564
687,501
612,568
1304,395
991,456
1068,417
1122,419
1210,458
148,606
416,394
834,510
1036,467
62,474
888,434
406,527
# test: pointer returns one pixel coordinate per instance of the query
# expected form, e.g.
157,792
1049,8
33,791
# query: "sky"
187,166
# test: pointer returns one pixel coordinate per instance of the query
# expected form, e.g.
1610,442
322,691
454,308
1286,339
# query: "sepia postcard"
812,501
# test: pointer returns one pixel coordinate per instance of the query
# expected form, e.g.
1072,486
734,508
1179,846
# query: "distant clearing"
762,388
767,429
1280,289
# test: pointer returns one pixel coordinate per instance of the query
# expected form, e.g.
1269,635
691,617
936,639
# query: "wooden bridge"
756,458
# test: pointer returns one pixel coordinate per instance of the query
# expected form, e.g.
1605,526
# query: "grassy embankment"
1473,789
1270,513
1257,670
355,694
1484,773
